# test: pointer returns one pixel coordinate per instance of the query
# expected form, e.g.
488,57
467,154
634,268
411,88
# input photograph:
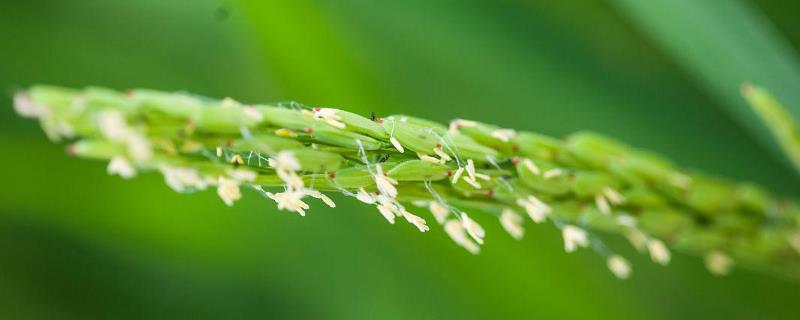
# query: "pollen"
365,197
574,238
613,196
385,184
602,204
552,173
474,230
536,209
397,145
286,133
416,221
637,239
329,116
321,196
794,241
457,124
504,135
228,190
619,266
443,156
455,229
658,252
718,263
121,167
457,175
290,201
512,223
531,166
427,158
438,211
252,114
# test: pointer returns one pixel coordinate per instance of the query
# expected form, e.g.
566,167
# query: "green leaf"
724,44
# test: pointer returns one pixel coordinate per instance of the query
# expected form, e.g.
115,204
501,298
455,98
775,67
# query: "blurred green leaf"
724,44
775,116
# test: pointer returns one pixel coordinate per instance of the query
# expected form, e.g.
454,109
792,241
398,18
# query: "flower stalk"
584,184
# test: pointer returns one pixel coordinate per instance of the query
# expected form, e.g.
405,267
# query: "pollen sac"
557,185
419,170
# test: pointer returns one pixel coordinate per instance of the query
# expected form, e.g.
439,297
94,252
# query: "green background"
76,243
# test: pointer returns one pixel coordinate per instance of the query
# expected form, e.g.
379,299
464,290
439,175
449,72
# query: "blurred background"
662,75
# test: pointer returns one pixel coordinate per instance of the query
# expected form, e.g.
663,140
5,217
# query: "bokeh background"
660,74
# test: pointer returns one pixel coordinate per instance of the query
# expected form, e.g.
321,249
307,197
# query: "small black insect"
372,115
384,157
